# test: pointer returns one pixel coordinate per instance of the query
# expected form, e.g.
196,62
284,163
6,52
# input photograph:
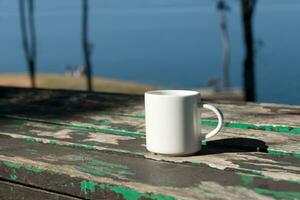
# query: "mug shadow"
233,145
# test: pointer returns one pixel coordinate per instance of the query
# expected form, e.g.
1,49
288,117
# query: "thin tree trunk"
249,71
30,53
85,44
33,43
226,50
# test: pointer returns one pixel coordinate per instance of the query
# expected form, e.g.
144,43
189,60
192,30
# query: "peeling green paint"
282,153
130,194
87,186
13,177
31,139
122,132
126,193
278,194
100,168
19,165
34,169
93,171
252,171
12,164
274,128
78,126
207,122
247,180
141,135
53,142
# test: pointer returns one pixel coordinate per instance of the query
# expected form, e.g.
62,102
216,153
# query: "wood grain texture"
232,153
92,146
273,142
73,170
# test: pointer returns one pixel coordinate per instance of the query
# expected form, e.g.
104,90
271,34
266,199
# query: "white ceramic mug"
172,122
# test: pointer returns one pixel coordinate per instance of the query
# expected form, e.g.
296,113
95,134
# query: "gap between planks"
35,189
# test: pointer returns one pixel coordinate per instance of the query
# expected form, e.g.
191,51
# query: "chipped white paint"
280,175
106,138
275,141
228,160
252,157
261,114
281,167
229,192
71,144
218,161
61,134
49,158
36,124
115,119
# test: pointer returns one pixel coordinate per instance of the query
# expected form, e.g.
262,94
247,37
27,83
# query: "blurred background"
232,49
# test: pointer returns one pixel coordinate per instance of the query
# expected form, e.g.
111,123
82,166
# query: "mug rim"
172,93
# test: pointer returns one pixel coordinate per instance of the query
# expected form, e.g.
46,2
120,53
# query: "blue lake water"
171,43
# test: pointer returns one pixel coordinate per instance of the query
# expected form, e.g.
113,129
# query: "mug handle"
220,119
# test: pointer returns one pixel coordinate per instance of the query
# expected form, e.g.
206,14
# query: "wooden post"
85,44
247,7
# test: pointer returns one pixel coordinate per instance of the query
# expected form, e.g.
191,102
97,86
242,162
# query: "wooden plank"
233,153
60,104
268,117
208,120
274,143
13,191
96,174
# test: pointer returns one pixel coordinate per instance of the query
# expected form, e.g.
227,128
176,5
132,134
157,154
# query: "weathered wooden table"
76,145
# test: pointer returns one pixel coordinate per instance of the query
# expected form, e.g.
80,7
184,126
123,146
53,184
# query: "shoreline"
101,84
58,81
